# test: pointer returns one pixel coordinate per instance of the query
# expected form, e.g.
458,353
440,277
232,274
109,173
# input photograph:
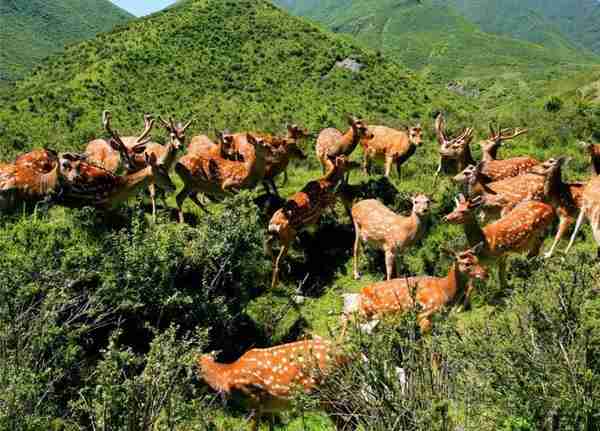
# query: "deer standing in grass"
374,223
332,143
455,153
590,209
217,177
431,293
267,379
394,146
111,155
302,210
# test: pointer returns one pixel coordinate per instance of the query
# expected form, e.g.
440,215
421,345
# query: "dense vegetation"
32,30
101,315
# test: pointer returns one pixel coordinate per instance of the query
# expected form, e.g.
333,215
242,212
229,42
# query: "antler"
148,125
505,134
439,129
116,141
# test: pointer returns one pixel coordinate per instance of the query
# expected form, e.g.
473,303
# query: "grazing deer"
431,293
110,155
590,209
216,177
594,151
374,223
521,230
100,188
304,209
455,153
267,379
395,146
332,143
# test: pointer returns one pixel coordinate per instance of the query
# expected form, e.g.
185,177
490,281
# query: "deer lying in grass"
590,209
395,146
302,210
216,177
594,151
111,156
332,143
374,223
455,153
31,178
100,188
431,293
267,379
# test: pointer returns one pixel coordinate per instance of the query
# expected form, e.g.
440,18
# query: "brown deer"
216,177
110,155
522,230
375,224
332,143
455,153
490,146
267,379
590,209
394,146
100,188
431,293
594,151
304,209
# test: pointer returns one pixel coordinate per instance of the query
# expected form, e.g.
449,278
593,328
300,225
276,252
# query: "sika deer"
521,230
267,379
110,155
432,293
100,188
331,143
374,223
218,177
591,210
302,210
395,146
455,153
594,151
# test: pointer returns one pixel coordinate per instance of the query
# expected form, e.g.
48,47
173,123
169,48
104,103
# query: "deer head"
452,148
468,263
463,210
496,138
176,131
360,128
421,204
296,132
415,135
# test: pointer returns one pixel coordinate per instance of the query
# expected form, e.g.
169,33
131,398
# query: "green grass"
30,31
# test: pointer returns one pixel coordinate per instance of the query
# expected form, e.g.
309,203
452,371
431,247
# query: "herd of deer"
522,196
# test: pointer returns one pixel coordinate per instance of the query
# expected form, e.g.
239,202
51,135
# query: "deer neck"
490,153
454,283
467,158
256,165
349,141
168,158
132,184
473,231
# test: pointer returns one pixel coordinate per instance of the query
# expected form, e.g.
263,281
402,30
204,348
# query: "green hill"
31,30
227,64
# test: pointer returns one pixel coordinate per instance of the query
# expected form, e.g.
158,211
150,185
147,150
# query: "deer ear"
251,139
151,159
139,148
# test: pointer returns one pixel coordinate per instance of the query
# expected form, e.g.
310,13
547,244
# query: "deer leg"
388,166
366,163
282,254
152,190
194,198
274,186
580,220
356,251
285,178
399,168
389,264
180,199
563,225
437,174
502,272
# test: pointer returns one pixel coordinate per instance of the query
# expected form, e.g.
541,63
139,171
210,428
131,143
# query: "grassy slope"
32,30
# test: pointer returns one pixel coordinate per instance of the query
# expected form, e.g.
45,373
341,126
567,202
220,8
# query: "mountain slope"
31,30
435,35
242,64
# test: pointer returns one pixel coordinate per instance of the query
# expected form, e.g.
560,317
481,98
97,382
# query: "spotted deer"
267,379
394,146
217,177
590,209
304,209
332,143
375,224
522,230
110,155
95,186
594,152
455,153
431,293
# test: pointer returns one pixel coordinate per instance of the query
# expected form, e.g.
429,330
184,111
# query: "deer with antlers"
394,146
332,143
111,154
455,153
590,209
374,223
431,293
304,209
267,379
216,177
